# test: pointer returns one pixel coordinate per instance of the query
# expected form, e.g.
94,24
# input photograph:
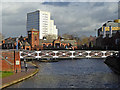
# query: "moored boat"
48,60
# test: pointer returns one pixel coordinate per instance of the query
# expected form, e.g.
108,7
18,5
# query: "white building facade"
41,21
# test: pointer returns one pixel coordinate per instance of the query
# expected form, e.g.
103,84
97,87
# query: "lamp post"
96,32
17,43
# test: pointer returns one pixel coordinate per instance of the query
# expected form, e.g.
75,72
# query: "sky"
78,18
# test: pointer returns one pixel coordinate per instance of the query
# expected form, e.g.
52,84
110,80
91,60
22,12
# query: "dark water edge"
83,73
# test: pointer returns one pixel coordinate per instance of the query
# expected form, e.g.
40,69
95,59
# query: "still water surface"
82,73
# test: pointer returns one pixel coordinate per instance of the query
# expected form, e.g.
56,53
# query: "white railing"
66,54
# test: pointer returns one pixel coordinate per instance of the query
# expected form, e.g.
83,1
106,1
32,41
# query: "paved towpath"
19,75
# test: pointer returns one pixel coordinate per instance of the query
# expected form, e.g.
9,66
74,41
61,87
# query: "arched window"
44,45
49,46
6,57
35,38
62,46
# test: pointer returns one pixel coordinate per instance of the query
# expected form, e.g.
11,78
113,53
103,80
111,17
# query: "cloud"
61,4
70,17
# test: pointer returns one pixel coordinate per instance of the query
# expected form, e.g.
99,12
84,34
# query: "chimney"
3,41
24,38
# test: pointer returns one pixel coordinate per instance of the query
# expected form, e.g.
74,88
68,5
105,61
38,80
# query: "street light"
17,42
96,32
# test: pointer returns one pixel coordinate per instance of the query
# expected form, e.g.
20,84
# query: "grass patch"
5,74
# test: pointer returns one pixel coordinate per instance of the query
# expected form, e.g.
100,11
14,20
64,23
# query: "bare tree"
84,40
49,36
1,37
67,36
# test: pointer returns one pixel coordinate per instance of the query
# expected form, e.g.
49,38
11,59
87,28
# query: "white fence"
66,54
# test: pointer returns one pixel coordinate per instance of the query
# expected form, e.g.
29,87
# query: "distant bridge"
62,54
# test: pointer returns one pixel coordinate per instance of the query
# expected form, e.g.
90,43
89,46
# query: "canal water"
82,73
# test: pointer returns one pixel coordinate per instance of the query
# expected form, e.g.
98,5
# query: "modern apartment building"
41,21
51,26
109,28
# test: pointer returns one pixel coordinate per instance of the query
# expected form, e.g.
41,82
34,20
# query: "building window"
117,41
12,45
6,57
44,45
35,38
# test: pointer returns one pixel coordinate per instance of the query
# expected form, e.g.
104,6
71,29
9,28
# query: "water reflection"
83,73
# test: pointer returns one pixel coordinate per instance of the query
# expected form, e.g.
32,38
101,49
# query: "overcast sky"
81,18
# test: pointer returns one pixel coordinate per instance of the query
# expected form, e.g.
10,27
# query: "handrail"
7,60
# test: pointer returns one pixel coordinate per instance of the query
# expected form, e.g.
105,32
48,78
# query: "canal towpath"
20,76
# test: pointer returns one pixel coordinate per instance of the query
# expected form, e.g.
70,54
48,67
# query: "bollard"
16,70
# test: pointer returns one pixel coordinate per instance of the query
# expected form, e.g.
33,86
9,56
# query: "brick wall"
11,56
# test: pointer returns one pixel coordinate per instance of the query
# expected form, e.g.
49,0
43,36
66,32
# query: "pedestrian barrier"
65,54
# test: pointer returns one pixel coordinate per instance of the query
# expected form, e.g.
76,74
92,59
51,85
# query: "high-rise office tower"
41,21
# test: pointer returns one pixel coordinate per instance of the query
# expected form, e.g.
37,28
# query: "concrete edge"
21,79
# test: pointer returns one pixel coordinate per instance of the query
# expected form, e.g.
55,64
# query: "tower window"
35,38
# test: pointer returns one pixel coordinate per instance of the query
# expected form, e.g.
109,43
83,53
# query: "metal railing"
66,54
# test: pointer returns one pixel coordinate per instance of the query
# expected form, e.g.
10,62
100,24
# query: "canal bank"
20,76
82,73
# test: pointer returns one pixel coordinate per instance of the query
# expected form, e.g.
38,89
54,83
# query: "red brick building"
10,43
32,42
33,38
58,44
10,60
109,42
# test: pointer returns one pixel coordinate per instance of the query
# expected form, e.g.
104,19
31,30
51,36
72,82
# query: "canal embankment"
81,73
20,76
